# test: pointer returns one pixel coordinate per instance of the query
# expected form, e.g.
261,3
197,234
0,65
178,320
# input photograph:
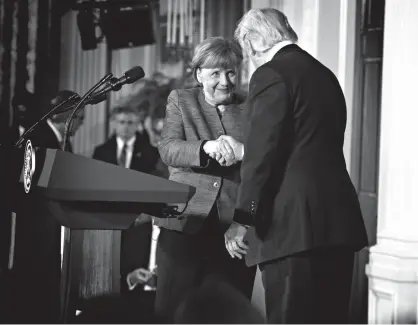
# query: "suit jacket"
44,137
144,156
295,188
189,121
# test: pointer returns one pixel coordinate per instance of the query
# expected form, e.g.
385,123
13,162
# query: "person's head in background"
59,119
126,122
217,302
259,30
216,63
24,105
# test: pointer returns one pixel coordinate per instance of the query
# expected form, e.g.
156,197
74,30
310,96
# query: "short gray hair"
268,25
124,109
217,52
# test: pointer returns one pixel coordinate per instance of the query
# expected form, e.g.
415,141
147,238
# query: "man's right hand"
221,151
236,146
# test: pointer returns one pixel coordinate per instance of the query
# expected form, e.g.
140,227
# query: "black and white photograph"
208,162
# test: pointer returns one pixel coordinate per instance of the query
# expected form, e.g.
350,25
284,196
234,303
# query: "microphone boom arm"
43,118
79,106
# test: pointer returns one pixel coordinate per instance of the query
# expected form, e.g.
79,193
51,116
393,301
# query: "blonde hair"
268,25
216,52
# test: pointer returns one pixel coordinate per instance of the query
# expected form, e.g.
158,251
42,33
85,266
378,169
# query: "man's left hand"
234,240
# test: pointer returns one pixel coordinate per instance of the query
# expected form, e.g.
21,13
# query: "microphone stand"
43,118
79,106
66,266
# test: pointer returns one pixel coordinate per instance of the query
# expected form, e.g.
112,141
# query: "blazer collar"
286,49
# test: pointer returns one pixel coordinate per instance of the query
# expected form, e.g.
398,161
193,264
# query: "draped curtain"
29,56
81,70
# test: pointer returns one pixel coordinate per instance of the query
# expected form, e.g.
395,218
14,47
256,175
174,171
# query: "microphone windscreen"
134,74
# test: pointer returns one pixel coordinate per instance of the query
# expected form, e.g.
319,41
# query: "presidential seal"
29,166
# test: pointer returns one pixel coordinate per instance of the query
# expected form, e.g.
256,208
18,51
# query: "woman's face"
218,84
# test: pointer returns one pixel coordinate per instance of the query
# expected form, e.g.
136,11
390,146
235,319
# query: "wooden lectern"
83,193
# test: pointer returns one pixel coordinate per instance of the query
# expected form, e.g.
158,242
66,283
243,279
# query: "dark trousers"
186,261
135,250
310,287
34,286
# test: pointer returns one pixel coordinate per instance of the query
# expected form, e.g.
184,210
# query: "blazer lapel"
113,151
136,150
51,139
211,117
286,49
232,120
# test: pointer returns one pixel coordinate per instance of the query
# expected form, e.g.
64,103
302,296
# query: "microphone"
115,84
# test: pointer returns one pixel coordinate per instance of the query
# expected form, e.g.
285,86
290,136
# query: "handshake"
226,150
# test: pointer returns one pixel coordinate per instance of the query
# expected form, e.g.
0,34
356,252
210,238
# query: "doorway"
366,136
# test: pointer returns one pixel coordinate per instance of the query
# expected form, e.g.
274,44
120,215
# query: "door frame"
359,297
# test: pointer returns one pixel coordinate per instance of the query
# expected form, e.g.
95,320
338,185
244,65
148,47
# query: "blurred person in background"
24,105
150,101
129,148
50,134
191,245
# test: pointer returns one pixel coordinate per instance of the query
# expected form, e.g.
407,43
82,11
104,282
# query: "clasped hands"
226,150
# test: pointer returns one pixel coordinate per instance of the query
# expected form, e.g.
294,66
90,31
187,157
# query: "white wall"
393,265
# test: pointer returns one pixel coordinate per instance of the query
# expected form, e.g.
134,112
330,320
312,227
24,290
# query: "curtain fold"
24,49
81,70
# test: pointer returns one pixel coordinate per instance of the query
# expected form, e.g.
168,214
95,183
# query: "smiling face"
218,84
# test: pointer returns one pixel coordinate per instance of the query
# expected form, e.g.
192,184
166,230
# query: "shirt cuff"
204,157
240,224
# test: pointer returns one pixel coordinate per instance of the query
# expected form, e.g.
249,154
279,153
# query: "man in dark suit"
296,208
131,149
51,133
37,251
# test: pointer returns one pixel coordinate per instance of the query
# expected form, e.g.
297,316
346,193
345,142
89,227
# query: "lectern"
83,193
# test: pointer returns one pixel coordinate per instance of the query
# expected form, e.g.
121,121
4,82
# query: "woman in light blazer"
191,246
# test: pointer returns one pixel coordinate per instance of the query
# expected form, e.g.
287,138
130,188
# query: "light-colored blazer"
189,121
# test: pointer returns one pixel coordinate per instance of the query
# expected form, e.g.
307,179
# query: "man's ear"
249,48
198,75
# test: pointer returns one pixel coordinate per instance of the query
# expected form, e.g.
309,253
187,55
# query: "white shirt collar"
55,130
129,149
129,143
276,48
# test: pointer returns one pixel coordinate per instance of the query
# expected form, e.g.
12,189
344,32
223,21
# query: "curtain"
29,57
223,17
80,70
